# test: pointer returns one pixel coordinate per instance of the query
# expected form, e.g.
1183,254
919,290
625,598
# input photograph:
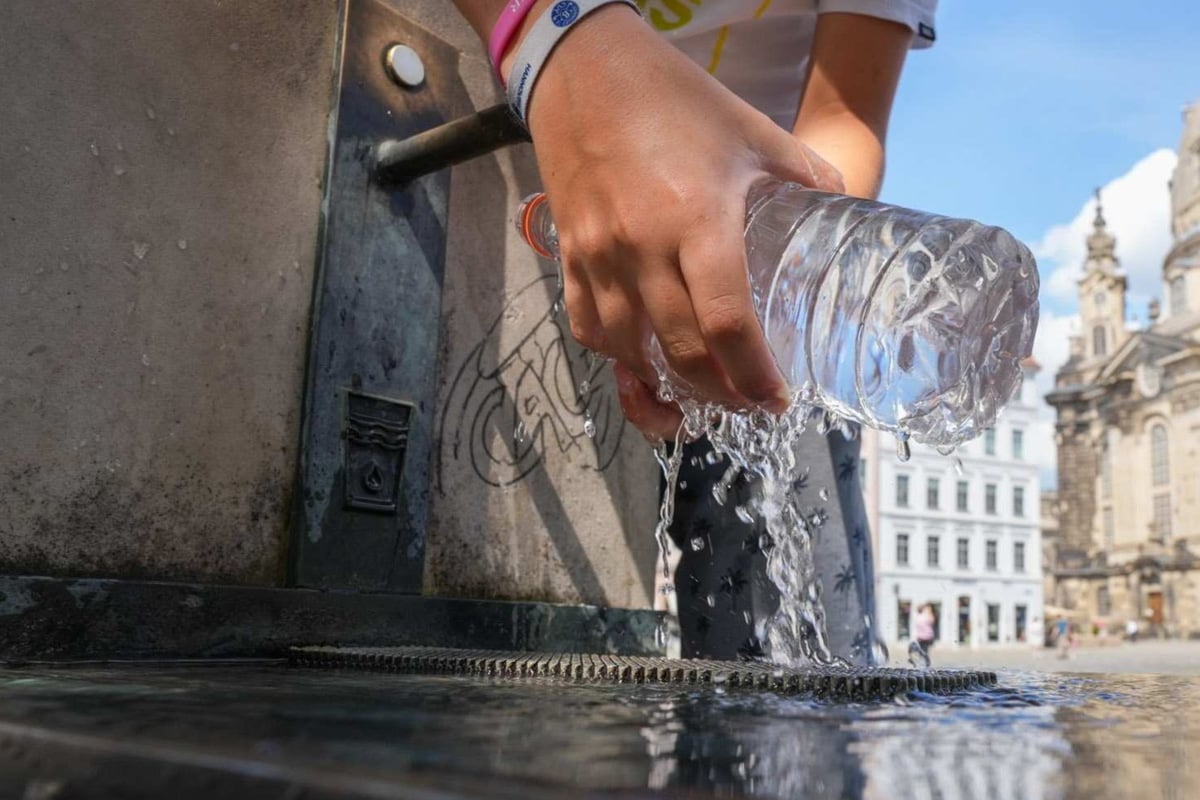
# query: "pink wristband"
505,28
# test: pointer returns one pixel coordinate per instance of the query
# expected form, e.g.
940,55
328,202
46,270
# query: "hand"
647,161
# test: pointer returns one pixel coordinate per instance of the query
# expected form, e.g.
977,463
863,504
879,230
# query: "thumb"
789,159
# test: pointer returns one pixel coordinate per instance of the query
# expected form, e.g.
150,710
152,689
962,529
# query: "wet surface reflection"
1039,735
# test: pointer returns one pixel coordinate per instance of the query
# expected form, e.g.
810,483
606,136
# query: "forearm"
853,75
850,145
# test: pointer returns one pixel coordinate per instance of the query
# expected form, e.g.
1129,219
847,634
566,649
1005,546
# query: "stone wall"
160,198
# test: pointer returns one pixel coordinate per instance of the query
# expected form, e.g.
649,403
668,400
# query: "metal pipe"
399,161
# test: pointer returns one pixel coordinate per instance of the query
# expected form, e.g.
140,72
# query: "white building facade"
968,541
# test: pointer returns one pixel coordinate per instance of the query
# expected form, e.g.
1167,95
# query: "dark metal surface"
858,684
376,440
400,161
376,317
51,619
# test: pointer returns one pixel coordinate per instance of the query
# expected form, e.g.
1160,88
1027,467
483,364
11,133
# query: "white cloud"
1137,209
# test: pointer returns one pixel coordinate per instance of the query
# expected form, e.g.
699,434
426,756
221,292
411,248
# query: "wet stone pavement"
269,731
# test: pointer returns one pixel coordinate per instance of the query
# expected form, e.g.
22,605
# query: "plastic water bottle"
905,321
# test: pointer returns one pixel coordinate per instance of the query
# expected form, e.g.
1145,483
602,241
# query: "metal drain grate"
826,683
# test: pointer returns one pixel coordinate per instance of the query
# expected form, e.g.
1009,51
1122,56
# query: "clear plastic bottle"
901,320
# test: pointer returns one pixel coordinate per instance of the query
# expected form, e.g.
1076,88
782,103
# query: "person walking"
926,626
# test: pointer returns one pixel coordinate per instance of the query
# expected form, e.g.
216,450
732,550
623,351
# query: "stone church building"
1128,434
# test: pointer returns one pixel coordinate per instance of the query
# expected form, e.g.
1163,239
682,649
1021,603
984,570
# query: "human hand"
647,161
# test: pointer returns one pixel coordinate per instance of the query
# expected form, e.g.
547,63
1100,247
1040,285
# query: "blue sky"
1022,108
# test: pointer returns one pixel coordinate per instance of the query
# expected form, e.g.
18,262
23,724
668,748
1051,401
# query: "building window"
1099,343
1162,516
902,491
1178,296
993,625
903,615
990,550
1018,501
1018,444
1020,613
931,494
1018,557
964,553
932,551
1106,470
1160,460
902,549
964,489
989,498
989,442
1103,602
1110,530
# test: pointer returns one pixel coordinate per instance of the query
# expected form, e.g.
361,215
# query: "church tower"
1101,294
1181,278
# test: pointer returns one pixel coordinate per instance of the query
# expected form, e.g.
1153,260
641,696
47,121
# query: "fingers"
714,268
582,315
680,334
657,421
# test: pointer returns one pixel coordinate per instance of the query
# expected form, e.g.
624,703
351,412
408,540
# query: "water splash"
589,427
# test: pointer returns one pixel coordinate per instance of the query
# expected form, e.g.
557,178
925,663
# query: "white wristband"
542,38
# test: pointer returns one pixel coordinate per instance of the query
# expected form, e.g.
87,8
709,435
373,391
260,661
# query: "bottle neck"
536,226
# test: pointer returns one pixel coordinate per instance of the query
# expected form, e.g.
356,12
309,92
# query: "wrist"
571,43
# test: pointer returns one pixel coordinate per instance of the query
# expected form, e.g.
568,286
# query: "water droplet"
697,543
120,147
958,466
234,47
589,427
712,601
140,249
903,451
711,458
118,170
585,386
747,617
683,484
63,266
946,449
744,514
170,131
519,432
145,359
95,150
823,493
918,657
150,113
182,244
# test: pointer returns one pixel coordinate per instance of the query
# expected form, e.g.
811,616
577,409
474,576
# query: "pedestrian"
926,626
1131,629
1062,637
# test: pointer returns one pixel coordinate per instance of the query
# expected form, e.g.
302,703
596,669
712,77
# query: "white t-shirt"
760,48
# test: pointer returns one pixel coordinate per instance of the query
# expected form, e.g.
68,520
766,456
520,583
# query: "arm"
853,74
647,161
